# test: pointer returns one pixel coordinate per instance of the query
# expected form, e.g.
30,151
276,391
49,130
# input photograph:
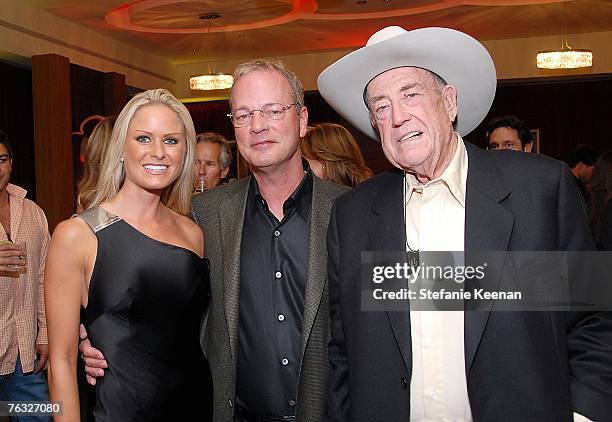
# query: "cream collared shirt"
435,221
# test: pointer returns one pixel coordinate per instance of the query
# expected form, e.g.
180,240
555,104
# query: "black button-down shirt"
273,271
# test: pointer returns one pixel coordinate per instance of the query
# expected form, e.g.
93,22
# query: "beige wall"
514,58
25,31
306,66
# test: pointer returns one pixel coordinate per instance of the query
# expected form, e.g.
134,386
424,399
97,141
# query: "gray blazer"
220,214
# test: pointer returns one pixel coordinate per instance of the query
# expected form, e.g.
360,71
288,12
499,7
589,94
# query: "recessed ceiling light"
362,2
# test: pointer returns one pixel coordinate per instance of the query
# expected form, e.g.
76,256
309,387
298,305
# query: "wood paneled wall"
52,139
60,95
16,119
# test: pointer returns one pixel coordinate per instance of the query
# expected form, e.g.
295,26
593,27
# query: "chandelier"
210,81
566,57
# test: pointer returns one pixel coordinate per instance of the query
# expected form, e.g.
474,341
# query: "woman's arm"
71,245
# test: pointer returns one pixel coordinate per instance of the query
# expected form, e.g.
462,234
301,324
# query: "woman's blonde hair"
177,196
97,144
337,150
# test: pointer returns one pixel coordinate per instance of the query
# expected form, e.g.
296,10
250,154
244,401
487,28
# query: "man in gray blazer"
267,327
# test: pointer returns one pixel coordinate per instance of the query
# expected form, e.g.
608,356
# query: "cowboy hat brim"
459,59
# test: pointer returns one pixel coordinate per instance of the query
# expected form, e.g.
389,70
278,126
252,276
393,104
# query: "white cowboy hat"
459,59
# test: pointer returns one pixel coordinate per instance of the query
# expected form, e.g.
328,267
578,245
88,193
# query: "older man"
409,89
213,160
268,323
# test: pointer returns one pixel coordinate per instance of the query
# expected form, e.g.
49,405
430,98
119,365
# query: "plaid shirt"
22,307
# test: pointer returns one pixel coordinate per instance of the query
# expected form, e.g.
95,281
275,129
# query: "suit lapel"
387,233
317,257
231,219
488,227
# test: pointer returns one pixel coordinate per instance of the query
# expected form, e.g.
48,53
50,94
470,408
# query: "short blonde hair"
297,90
177,196
337,150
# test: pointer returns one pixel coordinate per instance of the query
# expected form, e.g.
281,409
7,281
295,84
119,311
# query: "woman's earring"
121,159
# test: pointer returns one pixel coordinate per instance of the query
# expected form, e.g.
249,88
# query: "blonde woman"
133,262
333,155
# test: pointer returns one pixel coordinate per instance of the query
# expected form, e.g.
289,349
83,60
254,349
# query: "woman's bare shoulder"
191,231
183,222
73,231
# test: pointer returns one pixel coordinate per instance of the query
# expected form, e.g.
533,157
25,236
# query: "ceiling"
243,29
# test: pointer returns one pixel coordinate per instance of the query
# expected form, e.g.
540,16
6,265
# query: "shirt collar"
454,176
16,191
300,199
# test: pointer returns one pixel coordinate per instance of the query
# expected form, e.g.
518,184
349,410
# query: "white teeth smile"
152,167
410,135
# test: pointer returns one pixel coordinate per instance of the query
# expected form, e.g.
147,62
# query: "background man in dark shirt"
508,132
581,162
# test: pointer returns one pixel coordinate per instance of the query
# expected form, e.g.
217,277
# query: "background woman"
132,260
93,154
333,154
600,203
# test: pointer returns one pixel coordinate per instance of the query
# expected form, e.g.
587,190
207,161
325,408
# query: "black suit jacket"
520,366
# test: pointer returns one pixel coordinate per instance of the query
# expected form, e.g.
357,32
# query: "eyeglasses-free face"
270,112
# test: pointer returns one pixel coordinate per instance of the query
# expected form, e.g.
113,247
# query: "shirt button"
291,402
281,317
285,361
429,343
278,274
432,395
276,233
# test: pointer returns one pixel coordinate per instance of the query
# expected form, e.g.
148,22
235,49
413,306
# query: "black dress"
146,303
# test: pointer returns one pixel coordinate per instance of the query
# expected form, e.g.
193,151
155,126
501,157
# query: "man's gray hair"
214,138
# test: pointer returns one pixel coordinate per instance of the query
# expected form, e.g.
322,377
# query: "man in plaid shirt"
24,237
